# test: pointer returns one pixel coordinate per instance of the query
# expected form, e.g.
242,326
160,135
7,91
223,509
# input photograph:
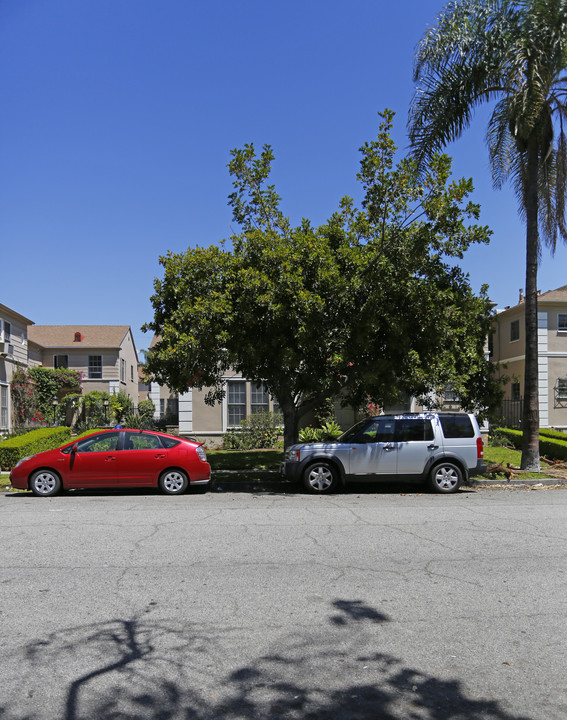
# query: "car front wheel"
173,482
45,483
320,477
445,478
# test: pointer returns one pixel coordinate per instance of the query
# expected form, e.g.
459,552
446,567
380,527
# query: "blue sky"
118,117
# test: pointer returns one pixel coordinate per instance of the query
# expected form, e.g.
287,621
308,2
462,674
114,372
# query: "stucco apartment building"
105,354
508,344
13,353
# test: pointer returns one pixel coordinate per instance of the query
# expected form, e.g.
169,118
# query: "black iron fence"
509,414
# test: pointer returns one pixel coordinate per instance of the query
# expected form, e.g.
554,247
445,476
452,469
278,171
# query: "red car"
116,458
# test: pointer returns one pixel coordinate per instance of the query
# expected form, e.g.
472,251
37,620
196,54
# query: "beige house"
190,415
508,347
104,354
13,353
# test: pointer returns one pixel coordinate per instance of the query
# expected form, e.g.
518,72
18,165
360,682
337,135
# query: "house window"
95,367
514,330
259,401
450,395
132,373
122,370
3,406
60,361
515,392
562,388
7,332
236,402
562,322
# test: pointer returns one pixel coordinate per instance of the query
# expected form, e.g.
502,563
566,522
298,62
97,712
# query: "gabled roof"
22,318
552,296
64,336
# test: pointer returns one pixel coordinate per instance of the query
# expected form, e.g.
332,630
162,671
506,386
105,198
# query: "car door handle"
159,456
110,458
389,446
432,447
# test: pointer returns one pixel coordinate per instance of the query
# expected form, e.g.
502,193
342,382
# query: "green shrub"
556,434
510,437
146,409
553,449
36,441
329,431
499,438
258,431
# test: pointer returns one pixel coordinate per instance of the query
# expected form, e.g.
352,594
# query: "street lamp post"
54,403
105,404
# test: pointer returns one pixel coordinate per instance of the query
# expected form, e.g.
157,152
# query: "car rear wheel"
446,477
173,482
45,483
320,477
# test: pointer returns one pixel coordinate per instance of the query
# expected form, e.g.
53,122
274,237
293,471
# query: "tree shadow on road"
140,668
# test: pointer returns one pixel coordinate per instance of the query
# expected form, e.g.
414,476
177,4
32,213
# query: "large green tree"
513,55
366,306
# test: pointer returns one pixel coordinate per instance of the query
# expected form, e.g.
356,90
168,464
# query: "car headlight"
29,457
292,455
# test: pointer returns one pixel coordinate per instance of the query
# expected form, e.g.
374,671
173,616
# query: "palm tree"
513,55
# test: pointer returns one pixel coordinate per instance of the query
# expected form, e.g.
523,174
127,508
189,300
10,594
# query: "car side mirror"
74,448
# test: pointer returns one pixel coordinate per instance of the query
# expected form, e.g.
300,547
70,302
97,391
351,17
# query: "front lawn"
504,455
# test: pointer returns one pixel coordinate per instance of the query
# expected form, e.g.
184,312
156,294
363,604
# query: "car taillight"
201,454
479,448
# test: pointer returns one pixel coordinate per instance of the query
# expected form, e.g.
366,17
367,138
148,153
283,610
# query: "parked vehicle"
116,459
440,448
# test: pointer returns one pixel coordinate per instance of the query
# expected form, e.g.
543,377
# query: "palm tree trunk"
530,421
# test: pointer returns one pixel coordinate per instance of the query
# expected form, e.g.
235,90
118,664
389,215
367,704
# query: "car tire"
173,482
45,483
320,477
445,477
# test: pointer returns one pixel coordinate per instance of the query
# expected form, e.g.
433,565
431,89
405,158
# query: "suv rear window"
457,426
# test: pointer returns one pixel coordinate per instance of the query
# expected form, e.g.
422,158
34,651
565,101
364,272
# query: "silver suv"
440,448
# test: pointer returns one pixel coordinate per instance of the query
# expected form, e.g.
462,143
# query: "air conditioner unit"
6,349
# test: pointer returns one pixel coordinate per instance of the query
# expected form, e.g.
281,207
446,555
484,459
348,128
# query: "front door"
373,451
95,461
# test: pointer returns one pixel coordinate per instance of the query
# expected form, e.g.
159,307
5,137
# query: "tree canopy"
370,306
514,55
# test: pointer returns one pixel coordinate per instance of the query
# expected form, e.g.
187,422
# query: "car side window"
380,430
98,443
414,430
141,441
457,426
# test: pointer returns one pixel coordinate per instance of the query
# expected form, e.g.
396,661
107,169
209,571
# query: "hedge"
36,441
556,434
552,444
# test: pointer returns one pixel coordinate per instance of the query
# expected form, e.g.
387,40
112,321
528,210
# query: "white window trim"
101,356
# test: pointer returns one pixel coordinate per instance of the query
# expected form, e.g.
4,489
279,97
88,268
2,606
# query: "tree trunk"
291,422
530,420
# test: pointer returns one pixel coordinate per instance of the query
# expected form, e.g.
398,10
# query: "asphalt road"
382,605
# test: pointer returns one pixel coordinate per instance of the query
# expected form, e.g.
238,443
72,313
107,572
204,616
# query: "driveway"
389,605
